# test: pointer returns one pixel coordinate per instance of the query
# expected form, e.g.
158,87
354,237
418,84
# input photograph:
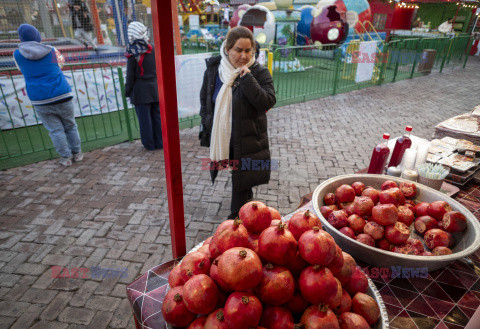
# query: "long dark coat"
252,96
142,89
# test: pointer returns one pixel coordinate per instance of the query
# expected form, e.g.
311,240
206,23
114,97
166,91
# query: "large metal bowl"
467,242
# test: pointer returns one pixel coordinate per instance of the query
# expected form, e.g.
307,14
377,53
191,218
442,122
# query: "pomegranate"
345,303
255,216
337,263
409,206
385,214
277,245
326,210
205,249
436,237
338,219
405,215
441,251
175,277
366,239
358,187
275,222
337,300
253,239
409,189
277,285
426,253
437,209
393,196
358,282
216,278
319,317
317,285
242,310
301,222
317,247
275,213
276,318
356,223
194,263
388,184
348,267
374,230
216,320
200,294
452,240
350,320
199,323
345,193
329,199
416,244
406,249
454,221
397,233
383,244
348,232
362,206
372,194
297,265
174,309
366,306
229,234
421,209
347,207
207,240
240,268
425,223
297,304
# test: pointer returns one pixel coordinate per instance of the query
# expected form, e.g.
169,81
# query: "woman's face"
241,53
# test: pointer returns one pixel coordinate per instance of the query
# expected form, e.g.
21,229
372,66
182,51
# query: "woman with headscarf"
235,96
141,85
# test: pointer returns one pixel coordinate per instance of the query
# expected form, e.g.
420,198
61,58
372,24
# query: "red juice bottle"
401,145
379,156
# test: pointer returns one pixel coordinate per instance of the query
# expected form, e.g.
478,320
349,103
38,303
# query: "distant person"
81,23
141,86
49,92
446,27
417,23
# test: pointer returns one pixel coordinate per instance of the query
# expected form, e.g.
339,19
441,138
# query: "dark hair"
450,19
239,32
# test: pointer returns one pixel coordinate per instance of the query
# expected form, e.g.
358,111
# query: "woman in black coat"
236,94
141,86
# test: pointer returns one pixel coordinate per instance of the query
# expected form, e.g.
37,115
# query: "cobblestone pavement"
111,209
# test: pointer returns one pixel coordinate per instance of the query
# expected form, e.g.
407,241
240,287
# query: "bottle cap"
386,136
408,128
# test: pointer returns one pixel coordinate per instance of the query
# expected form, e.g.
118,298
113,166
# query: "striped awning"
242,2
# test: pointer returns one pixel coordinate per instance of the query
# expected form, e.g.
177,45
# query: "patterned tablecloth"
445,299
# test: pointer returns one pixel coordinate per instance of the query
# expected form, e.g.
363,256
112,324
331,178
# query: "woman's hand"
244,70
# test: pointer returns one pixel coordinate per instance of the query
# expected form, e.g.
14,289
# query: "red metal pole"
96,20
167,94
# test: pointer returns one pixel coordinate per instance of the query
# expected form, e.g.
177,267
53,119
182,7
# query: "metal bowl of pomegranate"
445,225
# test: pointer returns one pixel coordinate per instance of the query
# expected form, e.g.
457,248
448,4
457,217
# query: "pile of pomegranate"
384,218
258,272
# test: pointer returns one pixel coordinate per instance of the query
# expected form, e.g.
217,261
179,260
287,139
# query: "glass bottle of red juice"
401,145
379,156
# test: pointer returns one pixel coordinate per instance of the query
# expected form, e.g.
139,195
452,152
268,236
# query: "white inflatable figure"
262,23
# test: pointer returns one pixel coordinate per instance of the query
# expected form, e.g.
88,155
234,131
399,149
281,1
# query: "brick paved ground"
111,209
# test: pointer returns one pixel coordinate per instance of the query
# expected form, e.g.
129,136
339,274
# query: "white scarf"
222,118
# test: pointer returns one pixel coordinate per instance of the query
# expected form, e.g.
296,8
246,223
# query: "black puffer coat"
252,96
142,89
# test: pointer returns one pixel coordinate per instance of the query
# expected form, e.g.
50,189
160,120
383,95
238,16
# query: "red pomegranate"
436,237
350,320
216,278
348,232
348,267
363,206
337,300
337,263
393,196
301,222
374,230
277,245
397,233
174,309
359,187
297,304
437,209
255,216
372,194
327,210
277,285
200,294
383,244
421,209
388,184
205,249
317,285
405,215
253,239
229,234
216,320
275,214
345,193
242,310
276,318
199,323
317,247
345,303
175,277
194,263
338,219
409,189
356,223
207,241
385,214
358,282
319,317
366,306
441,251
329,199
365,239
297,265
417,244
240,268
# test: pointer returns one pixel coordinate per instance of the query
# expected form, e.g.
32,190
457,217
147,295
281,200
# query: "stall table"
445,299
